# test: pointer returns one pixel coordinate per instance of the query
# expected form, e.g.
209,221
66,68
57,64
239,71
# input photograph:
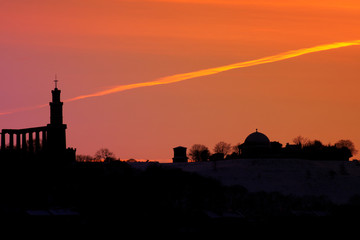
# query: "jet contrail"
23,109
205,72
215,70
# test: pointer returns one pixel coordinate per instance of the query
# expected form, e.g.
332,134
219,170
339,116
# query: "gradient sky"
94,45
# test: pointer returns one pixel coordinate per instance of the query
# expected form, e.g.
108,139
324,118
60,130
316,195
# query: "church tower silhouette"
56,138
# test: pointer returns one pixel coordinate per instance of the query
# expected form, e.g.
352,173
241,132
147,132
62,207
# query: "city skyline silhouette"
161,81
92,51
192,147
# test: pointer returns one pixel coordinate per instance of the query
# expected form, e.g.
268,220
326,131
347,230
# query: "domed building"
257,139
256,144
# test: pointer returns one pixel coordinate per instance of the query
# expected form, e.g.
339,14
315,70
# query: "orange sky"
95,45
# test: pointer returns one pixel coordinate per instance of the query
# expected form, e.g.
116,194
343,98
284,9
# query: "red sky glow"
95,46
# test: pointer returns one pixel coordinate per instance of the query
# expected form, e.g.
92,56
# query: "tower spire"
56,81
56,136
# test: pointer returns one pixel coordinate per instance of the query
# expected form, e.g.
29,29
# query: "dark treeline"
302,148
115,195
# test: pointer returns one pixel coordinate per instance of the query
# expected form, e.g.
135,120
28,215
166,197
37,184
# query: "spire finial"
56,81
256,130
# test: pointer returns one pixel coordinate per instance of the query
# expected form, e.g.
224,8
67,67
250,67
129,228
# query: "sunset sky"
96,45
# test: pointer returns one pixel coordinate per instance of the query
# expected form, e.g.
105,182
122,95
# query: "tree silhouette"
316,144
300,140
105,155
346,144
236,149
199,153
222,147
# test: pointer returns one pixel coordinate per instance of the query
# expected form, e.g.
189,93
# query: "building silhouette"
45,142
258,145
180,154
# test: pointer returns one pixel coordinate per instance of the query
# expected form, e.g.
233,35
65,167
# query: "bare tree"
199,153
105,155
347,144
222,147
236,148
300,140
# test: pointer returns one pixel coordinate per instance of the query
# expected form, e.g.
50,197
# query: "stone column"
31,142
44,141
2,141
18,141
24,144
11,141
37,141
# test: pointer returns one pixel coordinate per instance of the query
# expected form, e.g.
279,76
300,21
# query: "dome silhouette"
257,138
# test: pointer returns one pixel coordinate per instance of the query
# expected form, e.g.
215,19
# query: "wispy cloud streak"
205,72
215,70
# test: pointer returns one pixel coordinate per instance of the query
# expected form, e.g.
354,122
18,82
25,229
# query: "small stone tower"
180,154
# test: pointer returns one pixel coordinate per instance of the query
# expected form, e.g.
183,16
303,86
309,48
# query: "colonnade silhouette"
25,140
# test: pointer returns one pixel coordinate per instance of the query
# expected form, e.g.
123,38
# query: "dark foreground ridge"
117,197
